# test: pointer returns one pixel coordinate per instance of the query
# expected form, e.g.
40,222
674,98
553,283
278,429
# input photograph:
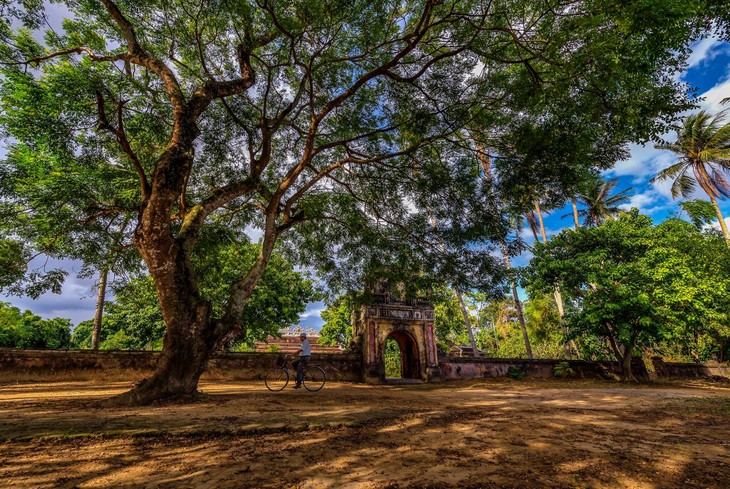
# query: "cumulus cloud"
703,51
643,164
650,201
711,98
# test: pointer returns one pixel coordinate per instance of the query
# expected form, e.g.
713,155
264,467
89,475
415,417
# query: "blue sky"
708,73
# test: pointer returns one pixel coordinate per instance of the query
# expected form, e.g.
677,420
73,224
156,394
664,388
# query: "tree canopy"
339,128
632,284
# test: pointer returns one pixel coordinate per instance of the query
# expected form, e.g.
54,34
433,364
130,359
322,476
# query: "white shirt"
306,349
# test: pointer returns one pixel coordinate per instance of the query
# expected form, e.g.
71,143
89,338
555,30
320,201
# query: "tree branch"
121,137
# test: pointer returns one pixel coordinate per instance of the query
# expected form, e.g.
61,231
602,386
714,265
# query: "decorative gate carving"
410,323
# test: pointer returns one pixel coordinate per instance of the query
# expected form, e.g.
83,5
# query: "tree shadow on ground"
397,437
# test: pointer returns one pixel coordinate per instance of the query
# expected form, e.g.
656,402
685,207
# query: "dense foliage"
337,317
632,285
27,330
134,321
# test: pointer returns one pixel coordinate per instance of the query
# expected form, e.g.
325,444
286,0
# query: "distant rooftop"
297,330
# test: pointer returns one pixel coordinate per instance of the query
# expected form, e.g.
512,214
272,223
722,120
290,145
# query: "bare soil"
490,433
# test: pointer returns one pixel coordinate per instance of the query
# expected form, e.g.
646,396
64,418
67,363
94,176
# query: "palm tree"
599,203
703,145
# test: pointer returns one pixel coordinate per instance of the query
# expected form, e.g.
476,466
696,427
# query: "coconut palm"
599,203
703,145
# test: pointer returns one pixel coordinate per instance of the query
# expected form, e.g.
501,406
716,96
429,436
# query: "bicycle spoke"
276,379
314,379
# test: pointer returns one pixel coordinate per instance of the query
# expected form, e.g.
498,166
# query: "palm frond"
671,172
720,183
683,185
622,197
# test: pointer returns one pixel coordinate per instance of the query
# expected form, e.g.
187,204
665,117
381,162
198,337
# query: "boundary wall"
111,365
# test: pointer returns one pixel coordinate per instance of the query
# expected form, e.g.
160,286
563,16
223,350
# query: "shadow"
481,434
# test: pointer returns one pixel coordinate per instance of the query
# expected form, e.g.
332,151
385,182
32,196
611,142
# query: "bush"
515,373
562,370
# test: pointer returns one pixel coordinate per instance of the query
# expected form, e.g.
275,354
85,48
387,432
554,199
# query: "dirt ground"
490,433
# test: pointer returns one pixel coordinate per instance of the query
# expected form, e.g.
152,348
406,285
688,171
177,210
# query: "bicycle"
277,379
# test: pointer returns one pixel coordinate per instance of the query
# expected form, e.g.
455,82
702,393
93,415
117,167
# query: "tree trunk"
184,356
723,226
191,336
518,303
467,321
627,375
96,331
623,354
190,339
538,211
575,213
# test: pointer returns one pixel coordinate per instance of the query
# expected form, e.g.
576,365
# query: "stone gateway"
409,323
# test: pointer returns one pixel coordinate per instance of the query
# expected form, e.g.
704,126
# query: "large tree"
633,284
335,124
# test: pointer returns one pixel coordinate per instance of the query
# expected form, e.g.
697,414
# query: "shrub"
515,373
562,370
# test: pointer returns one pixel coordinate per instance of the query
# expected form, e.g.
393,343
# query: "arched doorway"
409,363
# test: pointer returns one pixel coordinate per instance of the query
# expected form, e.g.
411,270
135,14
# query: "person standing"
305,353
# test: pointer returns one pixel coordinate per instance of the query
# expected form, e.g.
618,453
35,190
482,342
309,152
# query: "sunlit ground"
492,433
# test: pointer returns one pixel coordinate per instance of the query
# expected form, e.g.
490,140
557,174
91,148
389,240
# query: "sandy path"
495,433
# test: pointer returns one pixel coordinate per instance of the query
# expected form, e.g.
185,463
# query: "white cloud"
703,51
644,163
652,200
311,313
711,98
716,223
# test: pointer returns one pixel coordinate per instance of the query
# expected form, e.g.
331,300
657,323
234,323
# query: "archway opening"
392,359
401,356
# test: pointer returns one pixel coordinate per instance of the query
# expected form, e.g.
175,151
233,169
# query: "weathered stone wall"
50,365
29,365
471,368
674,370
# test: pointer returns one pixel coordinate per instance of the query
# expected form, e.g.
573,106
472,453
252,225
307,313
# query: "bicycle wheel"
276,379
314,379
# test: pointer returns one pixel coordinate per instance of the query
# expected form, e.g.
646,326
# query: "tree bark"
627,375
623,354
538,211
467,321
101,295
723,226
190,334
576,222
